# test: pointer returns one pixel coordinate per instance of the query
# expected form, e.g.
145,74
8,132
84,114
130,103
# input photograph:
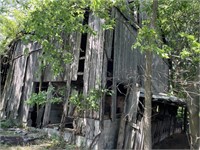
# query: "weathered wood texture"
24,71
93,67
160,75
105,47
47,109
72,41
165,122
125,71
15,81
31,68
125,59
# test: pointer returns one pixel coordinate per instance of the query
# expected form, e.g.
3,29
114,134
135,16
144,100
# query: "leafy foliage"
42,98
148,40
8,123
91,101
175,38
10,27
50,23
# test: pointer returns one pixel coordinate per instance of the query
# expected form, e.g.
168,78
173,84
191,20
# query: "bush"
8,123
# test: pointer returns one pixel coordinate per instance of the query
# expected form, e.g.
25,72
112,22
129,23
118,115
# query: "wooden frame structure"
104,60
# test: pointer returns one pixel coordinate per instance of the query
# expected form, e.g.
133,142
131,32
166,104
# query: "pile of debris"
18,136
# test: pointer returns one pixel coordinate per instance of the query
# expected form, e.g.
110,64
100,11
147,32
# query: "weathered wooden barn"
104,60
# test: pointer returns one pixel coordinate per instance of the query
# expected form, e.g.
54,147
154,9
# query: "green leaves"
11,25
49,22
149,40
42,98
39,99
192,47
91,101
102,9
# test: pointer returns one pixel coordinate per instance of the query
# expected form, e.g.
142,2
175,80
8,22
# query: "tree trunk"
194,117
194,122
148,106
66,99
148,84
0,81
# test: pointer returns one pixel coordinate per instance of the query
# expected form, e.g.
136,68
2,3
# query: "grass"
52,143
45,144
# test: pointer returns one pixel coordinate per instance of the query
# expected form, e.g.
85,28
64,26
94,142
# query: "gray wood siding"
93,67
125,59
94,55
160,75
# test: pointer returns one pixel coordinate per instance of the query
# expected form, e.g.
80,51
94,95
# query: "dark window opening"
4,70
78,84
86,17
121,90
140,109
56,108
110,68
121,95
107,108
81,65
69,123
55,113
108,100
33,111
83,45
155,110
111,60
44,86
109,83
33,116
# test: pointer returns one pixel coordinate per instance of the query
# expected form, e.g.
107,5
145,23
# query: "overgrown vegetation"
43,97
50,23
8,123
89,102
176,37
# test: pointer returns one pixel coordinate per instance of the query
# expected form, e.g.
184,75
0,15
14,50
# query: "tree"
50,23
175,37
179,30
177,40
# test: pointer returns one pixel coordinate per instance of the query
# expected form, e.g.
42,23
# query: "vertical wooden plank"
17,82
87,65
94,58
32,68
115,70
47,108
6,93
99,68
75,42
114,100
120,140
106,55
132,114
125,71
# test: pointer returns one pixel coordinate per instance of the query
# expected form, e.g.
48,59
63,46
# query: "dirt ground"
26,139
176,141
12,139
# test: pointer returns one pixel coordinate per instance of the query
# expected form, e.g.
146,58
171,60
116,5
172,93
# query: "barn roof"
164,98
